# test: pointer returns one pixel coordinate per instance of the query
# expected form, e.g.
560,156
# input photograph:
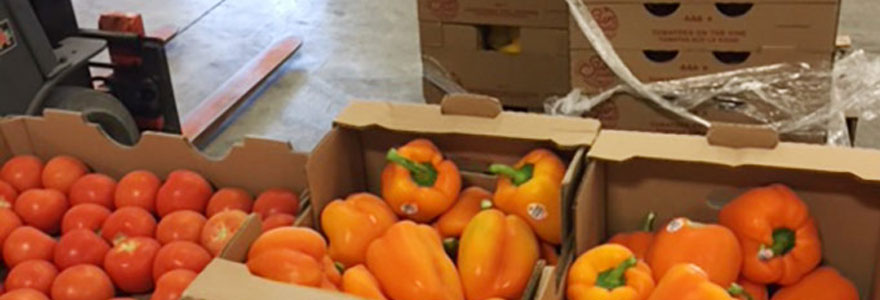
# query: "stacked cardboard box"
454,35
672,40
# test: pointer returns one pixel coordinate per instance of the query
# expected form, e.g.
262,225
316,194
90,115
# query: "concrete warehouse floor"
352,49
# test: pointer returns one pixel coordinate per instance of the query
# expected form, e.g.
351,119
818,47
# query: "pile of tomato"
68,234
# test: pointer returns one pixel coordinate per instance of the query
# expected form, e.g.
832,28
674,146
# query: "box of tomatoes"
82,217
738,216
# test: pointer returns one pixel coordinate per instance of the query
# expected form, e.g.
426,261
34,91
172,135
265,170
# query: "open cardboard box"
533,13
470,130
523,80
630,174
809,25
254,165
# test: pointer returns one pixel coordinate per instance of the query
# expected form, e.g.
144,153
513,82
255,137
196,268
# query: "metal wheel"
97,107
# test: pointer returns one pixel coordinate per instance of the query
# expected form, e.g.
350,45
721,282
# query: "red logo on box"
607,20
595,73
443,9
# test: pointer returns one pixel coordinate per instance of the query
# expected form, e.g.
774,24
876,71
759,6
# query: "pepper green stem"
339,267
485,204
423,174
737,290
517,176
450,245
648,226
612,279
783,241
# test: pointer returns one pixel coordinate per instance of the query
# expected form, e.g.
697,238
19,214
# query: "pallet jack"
47,61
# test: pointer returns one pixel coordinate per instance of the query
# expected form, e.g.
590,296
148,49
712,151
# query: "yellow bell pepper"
609,272
351,226
531,190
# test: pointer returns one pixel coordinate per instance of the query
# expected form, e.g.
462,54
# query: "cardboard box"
590,73
254,165
525,80
471,131
531,13
627,112
632,173
725,26
228,278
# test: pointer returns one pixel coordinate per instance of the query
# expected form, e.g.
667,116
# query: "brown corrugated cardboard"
227,278
531,13
351,156
590,73
699,25
254,165
524,80
632,173
626,112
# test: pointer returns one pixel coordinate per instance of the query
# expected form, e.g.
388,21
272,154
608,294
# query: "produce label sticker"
7,37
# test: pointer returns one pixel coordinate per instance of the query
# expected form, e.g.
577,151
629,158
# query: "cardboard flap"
272,163
614,145
470,105
565,132
226,280
742,136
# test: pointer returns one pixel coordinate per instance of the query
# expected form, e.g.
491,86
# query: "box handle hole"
504,39
731,57
660,56
733,9
662,9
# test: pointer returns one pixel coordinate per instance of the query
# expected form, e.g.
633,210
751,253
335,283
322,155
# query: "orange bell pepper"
688,282
418,183
609,272
360,282
294,255
471,201
751,290
531,190
822,284
711,247
779,239
496,256
352,224
639,241
410,264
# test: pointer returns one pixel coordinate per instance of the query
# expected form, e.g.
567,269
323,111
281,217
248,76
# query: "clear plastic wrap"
790,98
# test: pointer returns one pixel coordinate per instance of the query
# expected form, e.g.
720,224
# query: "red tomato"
180,255
61,172
220,228
81,246
42,209
278,220
9,221
128,222
84,216
8,194
276,201
24,294
171,285
183,190
139,189
25,243
228,199
34,274
181,225
22,172
130,264
93,188
82,282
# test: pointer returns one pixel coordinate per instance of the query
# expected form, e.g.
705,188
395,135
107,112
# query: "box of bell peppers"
82,217
769,220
